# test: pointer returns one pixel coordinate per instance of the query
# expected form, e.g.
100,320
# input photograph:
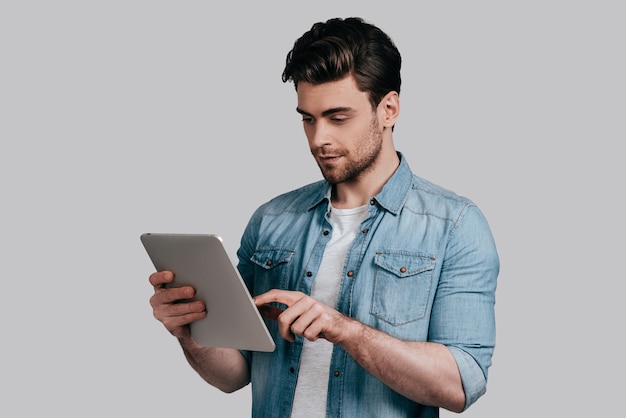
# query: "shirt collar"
391,197
394,192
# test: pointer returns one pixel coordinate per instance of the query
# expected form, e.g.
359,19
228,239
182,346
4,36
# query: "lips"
327,158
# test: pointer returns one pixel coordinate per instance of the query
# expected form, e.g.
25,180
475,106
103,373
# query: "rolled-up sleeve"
463,316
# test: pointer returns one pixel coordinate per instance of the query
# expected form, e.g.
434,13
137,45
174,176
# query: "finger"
171,295
179,315
286,297
273,295
284,329
310,323
180,309
295,319
160,278
179,325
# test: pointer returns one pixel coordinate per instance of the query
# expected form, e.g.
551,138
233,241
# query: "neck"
358,192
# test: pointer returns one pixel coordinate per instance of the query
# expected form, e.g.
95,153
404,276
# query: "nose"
318,134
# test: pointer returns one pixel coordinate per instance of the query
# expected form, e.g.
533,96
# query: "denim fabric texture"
423,268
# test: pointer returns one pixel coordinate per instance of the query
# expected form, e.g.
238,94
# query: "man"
379,286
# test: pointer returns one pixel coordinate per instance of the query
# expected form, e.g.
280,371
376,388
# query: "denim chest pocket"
402,286
272,268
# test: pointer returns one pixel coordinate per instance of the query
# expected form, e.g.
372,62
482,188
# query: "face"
342,129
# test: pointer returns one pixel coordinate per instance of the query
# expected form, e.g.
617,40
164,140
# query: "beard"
360,160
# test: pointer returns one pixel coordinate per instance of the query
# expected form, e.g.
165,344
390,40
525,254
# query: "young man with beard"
385,282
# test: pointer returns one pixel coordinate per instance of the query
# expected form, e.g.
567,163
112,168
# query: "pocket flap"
269,259
403,264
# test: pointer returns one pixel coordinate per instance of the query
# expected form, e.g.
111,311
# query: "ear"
389,109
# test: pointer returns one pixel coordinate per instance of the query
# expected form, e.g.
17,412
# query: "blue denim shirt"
423,268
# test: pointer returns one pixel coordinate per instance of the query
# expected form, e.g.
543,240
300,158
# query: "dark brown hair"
334,49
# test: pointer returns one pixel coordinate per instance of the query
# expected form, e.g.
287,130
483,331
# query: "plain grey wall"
123,117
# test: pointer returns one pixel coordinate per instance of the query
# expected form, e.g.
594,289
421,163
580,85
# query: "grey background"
123,117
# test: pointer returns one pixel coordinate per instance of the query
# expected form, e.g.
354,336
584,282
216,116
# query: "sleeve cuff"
472,377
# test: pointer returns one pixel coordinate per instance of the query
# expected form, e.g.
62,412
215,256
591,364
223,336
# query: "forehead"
316,98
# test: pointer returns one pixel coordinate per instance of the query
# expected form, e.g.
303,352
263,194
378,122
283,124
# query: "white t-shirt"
312,385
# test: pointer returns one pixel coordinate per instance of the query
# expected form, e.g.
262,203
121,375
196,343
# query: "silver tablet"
201,261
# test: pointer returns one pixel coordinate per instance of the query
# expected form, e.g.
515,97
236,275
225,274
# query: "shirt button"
326,232
309,274
291,370
402,269
350,273
268,263
366,230
336,373
372,202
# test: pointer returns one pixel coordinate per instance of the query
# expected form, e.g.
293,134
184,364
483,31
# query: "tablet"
201,261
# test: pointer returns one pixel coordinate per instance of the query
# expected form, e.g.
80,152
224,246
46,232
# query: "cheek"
309,132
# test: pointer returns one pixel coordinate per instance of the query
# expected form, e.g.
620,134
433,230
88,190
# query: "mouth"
328,159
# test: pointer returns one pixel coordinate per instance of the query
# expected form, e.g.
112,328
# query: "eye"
338,120
306,119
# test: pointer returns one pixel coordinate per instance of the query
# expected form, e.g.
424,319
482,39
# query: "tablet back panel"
201,261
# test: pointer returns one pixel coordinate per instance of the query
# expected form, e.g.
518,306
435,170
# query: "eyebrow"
326,112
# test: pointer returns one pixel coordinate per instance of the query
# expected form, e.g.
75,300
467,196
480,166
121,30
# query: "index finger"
286,297
160,278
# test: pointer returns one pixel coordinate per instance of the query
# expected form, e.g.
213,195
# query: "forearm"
224,368
422,371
